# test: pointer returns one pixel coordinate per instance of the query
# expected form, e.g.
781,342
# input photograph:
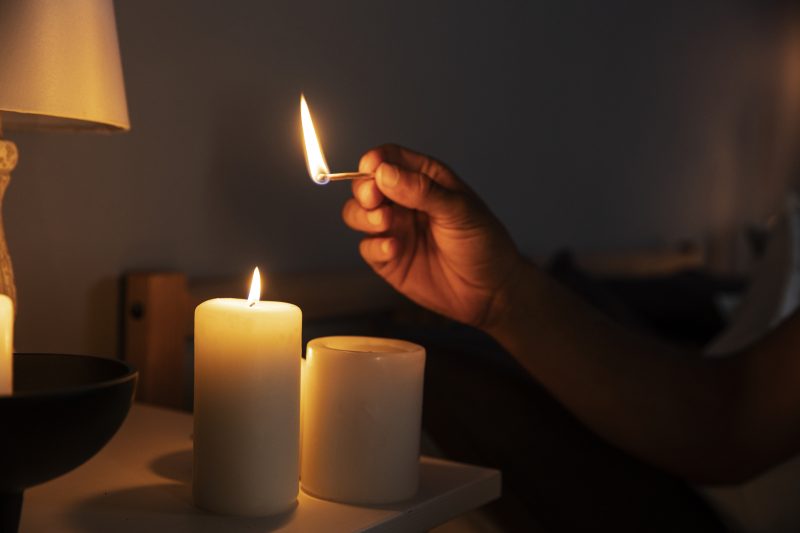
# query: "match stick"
339,176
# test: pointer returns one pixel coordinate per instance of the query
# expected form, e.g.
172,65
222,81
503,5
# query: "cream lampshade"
59,70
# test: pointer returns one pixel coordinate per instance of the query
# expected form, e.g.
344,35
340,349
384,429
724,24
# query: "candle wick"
252,304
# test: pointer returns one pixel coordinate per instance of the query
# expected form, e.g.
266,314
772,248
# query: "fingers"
408,159
367,193
371,160
370,195
415,190
368,221
379,250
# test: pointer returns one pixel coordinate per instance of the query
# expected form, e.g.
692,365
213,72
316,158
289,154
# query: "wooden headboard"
158,310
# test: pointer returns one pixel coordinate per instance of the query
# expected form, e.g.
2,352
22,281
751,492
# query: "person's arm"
719,420
708,420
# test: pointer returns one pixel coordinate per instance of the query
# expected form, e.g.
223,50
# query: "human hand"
431,237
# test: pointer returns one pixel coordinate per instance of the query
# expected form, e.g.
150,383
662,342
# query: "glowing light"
255,288
315,158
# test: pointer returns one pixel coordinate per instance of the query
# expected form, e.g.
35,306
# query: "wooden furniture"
158,308
141,481
158,311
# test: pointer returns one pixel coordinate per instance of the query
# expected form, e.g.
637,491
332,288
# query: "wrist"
510,299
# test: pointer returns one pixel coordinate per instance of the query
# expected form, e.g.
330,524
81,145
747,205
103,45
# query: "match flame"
315,159
255,288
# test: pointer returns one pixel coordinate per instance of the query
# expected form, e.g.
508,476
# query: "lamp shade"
60,67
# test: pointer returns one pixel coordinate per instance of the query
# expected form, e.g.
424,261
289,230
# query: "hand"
431,237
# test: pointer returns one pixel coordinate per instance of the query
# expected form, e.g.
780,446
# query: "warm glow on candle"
361,412
255,288
315,159
246,404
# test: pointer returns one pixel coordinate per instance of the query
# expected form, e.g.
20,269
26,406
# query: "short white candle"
361,419
246,406
6,344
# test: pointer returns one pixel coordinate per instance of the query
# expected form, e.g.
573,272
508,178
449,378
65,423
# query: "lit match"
340,176
315,158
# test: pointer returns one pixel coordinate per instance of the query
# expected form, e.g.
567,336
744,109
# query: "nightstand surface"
140,482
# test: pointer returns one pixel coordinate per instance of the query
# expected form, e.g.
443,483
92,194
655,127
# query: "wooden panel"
155,332
159,311
159,307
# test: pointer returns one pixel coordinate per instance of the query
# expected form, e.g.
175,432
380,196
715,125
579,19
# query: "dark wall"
596,125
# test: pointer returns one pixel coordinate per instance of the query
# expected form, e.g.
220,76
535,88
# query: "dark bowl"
64,409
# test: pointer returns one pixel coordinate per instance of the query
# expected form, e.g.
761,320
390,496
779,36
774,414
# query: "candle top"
370,348
372,345
259,306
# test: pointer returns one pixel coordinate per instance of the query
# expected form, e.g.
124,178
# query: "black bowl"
64,409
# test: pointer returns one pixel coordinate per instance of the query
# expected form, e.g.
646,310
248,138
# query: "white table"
140,482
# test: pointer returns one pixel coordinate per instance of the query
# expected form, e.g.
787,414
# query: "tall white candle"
246,406
362,409
6,344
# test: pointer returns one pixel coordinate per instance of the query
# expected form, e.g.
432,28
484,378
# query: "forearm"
687,414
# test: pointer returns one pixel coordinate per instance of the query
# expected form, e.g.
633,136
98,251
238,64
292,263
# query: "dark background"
598,126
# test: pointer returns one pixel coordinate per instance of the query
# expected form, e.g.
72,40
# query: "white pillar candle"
6,344
246,406
361,419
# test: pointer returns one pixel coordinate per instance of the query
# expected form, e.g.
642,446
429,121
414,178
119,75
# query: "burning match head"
315,158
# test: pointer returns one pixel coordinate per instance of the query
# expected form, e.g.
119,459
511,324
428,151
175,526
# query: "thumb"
415,190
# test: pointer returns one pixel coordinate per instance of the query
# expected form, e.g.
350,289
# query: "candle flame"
315,158
255,288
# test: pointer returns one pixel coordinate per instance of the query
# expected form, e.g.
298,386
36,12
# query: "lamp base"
8,161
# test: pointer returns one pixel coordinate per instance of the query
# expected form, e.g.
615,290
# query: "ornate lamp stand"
8,160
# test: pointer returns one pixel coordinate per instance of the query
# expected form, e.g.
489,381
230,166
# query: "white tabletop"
140,482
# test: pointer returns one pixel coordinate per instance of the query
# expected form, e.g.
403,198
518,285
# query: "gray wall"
594,125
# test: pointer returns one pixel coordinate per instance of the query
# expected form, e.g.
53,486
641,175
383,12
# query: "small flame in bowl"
315,158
